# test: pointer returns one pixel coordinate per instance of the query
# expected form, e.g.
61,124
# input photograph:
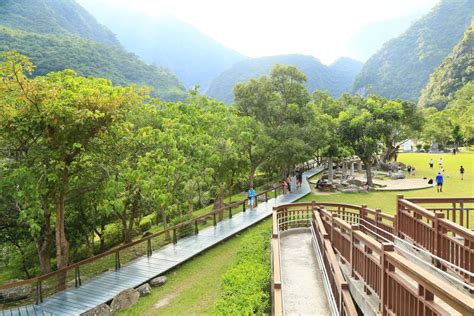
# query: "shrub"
426,147
246,286
185,230
145,225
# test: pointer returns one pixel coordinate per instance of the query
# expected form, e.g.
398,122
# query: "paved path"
103,288
302,288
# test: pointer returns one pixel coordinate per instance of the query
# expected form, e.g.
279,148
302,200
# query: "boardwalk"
101,289
303,289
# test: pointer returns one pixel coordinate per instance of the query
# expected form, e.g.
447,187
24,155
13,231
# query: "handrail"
440,199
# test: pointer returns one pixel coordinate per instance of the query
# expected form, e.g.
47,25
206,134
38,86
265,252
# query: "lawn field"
453,185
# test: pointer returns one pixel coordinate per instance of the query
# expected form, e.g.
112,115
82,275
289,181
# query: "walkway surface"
302,288
103,288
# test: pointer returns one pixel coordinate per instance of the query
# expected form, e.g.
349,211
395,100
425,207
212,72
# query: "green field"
453,185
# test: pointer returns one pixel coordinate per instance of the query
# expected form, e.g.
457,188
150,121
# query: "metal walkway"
303,288
103,288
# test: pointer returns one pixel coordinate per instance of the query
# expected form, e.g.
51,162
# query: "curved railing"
400,286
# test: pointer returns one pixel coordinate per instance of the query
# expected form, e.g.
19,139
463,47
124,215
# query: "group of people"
441,173
286,182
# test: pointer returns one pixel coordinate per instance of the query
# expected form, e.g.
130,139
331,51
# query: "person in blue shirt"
439,182
251,197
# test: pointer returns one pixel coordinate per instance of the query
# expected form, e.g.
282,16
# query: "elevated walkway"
101,289
303,288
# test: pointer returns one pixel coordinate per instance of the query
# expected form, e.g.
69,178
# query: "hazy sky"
326,29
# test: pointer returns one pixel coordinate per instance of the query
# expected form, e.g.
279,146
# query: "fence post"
175,238
39,293
230,212
275,191
117,260
196,228
437,244
148,247
266,196
214,218
243,206
385,267
377,221
397,216
77,277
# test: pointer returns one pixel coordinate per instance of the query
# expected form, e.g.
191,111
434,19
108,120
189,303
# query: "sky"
325,29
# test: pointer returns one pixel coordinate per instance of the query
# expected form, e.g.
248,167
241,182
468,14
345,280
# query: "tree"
51,122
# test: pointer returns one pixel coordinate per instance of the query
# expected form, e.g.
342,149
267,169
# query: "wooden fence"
401,287
445,238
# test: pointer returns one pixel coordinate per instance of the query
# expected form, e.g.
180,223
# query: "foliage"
335,79
454,72
401,68
55,18
53,53
245,288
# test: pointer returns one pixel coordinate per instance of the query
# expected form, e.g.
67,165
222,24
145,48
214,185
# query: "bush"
426,147
246,286
185,230
145,225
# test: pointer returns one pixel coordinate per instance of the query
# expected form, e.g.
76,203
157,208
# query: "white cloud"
322,28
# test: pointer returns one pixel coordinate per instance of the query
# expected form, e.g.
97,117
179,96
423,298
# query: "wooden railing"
457,210
444,238
297,215
400,286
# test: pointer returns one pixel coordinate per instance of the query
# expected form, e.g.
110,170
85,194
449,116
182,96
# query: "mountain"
60,34
193,56
54,17
401,68
453,73
336,78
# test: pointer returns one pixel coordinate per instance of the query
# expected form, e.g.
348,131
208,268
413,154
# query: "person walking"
439,182
409,170
461,171
431,163
440,162
454,151
288,182
299,178
251,197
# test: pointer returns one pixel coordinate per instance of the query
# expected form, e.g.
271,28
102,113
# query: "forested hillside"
54,17
455,71
73,39
193,56
402,67
335,79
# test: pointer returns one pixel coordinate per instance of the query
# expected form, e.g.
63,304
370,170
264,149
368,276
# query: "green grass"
453,185
193,287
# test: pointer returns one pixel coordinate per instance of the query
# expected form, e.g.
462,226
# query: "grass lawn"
193,287
453,185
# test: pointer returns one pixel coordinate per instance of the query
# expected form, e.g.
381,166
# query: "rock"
158,281
101,310
397,176
125,299
16,293
350,190
355,182
144,289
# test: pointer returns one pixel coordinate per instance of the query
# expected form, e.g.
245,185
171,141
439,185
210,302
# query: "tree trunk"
252,175
165,225
43,244
330,171
62,245
368,171
219,203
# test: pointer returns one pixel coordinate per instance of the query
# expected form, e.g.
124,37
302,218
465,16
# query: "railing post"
243,206
214,218
437,244
39,292
385,267
148,252
397,216
266,196
230,212
196,228
377,220
117,260
363,212
275,191
175,238
77,277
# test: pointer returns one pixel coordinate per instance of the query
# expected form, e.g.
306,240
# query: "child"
461,171
431,163
439,182
251,197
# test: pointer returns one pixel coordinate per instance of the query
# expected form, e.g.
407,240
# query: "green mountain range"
336,78
166,41
60,34
401,68
453,73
